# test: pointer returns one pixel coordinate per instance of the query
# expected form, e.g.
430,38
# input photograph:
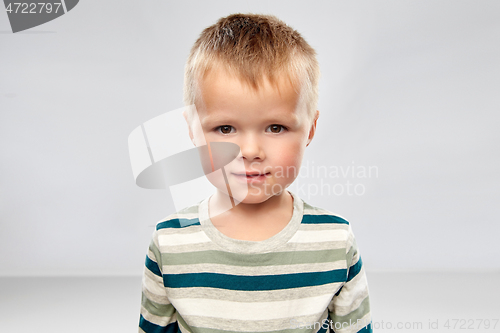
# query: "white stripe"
314,236
353,290
191,229
254,296
183,239
153,284
199,247
322,226
251,310
315,246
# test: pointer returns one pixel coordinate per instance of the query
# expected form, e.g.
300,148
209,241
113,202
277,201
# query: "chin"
254,199
257,198
242,193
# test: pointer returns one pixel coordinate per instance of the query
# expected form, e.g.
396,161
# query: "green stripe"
183,323
291,330
156,252
160,310
295,330
261,259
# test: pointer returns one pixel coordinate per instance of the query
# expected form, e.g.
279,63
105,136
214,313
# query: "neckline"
246,246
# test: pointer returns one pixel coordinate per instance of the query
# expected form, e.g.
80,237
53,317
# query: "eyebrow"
219,119
282,118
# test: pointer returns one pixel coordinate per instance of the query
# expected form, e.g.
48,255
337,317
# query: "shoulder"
332,225
181,232
184,218
316,215
324,229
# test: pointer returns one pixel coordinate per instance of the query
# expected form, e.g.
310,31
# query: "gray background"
410,87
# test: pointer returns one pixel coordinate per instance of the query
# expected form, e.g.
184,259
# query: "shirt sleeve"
157,314
349,309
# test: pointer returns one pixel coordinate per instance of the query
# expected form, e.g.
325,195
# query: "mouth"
252,176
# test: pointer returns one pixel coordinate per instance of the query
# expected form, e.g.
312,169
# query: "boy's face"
266,124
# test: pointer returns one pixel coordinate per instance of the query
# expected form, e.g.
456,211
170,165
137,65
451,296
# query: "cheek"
290,158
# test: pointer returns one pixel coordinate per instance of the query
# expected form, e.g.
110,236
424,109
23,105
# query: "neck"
221,203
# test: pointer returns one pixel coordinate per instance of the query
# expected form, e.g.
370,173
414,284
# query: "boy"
268,262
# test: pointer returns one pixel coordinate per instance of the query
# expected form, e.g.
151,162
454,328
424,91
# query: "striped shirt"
309,277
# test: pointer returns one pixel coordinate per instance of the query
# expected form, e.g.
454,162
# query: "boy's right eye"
225,129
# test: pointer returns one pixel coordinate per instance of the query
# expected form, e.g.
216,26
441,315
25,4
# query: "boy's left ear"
312,131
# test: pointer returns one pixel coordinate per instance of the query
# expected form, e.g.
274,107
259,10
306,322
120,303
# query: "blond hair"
254,47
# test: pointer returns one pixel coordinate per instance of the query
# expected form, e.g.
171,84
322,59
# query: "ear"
185,115
312,131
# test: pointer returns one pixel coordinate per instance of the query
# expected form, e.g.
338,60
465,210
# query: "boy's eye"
225,129
276,128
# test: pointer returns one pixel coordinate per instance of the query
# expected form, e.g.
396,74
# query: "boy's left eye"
276,128
225,129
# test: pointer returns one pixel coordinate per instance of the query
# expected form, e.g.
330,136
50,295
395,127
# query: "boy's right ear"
185,115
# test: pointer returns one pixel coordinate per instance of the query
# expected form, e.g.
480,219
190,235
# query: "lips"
252,177
252,174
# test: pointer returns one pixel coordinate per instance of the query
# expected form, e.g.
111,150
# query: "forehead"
222,91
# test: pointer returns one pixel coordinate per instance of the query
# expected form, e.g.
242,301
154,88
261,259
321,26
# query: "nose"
251,148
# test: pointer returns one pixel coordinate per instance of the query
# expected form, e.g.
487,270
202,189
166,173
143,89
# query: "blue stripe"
149,327
249,283
354,270
322,219
152,266
177,223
